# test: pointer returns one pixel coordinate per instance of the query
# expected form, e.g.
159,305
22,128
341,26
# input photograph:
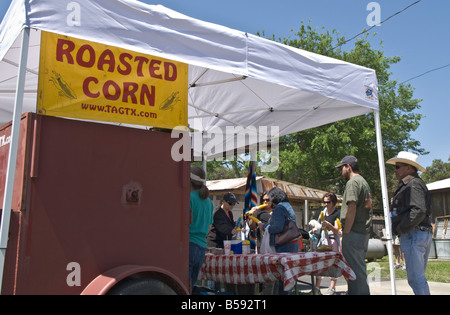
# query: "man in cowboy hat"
410,212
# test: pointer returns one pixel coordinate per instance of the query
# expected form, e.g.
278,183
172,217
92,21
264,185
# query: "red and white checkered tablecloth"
250,269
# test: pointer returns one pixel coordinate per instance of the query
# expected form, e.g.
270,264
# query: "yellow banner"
87,80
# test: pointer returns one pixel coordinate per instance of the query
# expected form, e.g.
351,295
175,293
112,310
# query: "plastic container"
246,247
236,247
227,247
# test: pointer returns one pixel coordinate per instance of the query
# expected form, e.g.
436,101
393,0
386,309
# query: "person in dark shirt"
223,227
330,235
262,215
411,219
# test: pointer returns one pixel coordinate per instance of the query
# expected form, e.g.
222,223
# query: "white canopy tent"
235,79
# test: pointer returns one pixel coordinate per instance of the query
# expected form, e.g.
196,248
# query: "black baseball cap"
349,159
230,198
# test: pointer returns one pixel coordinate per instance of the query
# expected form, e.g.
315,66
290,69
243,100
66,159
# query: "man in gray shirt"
356,218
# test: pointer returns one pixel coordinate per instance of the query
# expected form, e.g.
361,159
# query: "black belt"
423,228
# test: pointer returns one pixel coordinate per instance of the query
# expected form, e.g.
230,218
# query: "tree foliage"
309,157
437,171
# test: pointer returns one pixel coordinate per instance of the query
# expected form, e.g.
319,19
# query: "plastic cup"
227,247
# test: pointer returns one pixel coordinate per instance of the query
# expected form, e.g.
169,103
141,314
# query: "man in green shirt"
356,218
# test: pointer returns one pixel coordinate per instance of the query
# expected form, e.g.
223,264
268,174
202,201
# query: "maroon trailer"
97,209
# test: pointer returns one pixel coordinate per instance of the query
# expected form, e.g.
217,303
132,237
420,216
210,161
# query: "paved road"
378,287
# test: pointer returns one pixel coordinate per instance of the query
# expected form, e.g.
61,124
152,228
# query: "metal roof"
228,184
293,191
442,184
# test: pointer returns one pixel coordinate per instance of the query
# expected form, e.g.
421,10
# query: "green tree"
224,169
437,171
308,157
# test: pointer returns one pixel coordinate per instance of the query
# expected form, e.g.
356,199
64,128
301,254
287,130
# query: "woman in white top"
330,235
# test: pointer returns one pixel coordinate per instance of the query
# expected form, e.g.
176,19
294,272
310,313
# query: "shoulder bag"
290,231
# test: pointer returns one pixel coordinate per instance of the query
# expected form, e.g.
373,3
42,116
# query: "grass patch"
437,270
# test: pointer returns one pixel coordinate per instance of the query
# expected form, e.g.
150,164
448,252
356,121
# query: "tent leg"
205,163
305,223
387,218
12,157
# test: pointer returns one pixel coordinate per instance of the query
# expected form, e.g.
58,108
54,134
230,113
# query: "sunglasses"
231,204
398,166
327,202
266,200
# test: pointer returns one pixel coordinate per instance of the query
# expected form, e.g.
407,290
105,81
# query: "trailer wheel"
142,286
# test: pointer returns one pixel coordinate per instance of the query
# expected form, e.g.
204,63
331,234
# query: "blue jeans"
285,248
416,247
196,256
354,249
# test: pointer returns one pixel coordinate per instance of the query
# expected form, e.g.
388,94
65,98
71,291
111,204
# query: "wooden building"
440,209
300,197
440,197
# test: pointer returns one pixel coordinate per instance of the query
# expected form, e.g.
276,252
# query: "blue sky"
419,35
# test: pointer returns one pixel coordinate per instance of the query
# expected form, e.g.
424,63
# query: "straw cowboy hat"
407,158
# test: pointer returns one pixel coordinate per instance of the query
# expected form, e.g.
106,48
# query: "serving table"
262,268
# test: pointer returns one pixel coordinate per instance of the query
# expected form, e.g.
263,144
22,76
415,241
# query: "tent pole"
384,193
204,161
204,157
305,223
13,147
